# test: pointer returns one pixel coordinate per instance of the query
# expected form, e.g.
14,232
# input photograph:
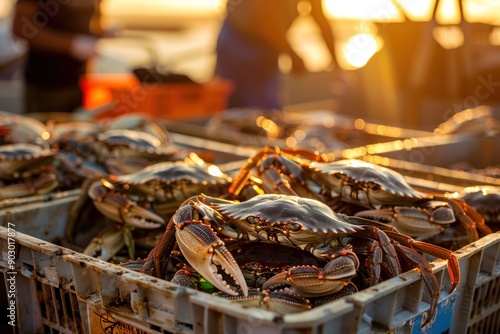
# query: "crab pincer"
205,252
119,208
311,281
200,246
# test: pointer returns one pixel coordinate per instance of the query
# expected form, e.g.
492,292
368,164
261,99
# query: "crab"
125,151
365,186
287,220
25,170
122,146
140,123
78,157
146,198
17,129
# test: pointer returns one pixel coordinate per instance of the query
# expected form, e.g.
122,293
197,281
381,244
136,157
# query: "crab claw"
311,281
105,245
120,209
205,251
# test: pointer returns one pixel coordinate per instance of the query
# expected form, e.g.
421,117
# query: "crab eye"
252,267
340,176
374,186
295,227
252,220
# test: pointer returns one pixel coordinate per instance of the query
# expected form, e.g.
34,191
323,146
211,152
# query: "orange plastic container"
175,101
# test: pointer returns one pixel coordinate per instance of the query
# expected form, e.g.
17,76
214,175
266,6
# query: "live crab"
291,221
26,170
144,199
375,191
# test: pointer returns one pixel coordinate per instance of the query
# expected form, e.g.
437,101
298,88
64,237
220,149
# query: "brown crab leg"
428,276
158,257
278,184
470,219
434,250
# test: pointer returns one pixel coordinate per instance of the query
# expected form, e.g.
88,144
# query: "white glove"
83,47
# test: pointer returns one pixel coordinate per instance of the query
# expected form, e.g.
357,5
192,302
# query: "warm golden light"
495,36
359,124
214,170
359,49
371,10
300,134
450,37
170,7
361,9
291,142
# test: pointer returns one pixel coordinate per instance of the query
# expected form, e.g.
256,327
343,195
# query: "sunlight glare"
361,9
449,37
359,49
170,7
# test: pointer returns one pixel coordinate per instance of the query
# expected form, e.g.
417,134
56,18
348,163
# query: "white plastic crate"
61,291
42,216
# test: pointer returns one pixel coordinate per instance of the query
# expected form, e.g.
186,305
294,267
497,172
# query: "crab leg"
470,219
428,276
370,231
434,250
158,257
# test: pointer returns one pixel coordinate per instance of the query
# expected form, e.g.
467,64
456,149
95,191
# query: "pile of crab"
38,158
26,158
289,232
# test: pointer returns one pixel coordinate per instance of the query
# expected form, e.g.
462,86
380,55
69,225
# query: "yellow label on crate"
103,323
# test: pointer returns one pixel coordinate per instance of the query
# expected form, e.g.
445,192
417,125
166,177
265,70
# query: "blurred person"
252,37
61,37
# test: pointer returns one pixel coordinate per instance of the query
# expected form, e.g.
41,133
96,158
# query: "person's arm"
326,30
41,37
36,34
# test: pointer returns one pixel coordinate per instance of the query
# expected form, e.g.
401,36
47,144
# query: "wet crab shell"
16,129
364,183
18,158
134,143
174,175
140,123
290,220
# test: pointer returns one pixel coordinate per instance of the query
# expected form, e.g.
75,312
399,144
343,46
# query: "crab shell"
15,159
290,220
15,129
363,183
133,143
176,177
140,123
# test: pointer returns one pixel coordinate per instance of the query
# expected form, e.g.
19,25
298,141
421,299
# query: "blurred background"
400,65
